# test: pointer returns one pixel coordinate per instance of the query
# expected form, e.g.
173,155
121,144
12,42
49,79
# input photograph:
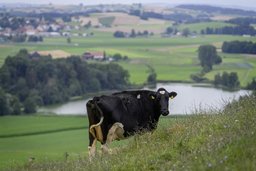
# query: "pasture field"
42,137
46,138
173,58
213,140
197,27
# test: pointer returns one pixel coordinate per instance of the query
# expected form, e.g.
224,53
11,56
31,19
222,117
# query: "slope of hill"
213,9
223,140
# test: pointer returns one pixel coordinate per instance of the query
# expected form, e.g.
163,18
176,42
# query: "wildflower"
209,165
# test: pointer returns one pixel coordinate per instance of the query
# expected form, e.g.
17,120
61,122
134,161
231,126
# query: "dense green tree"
4,106
152,78
239,47
169,30
15,105
229,80
119,34
68,40
30,105
252,84
185,32
49,81
133,34
207,55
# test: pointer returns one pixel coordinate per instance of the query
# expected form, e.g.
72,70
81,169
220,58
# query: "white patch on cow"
162,92
138,96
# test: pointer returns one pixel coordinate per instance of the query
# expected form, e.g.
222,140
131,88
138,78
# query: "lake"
190,98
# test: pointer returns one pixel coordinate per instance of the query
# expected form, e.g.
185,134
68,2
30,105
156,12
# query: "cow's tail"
95,129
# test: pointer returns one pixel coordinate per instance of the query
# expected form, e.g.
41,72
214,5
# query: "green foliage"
239,47
207,55
35,38
252,85
9,104
232,30
152,77
47,81
199,77
185,32
4,107
230,81
68,40
30,105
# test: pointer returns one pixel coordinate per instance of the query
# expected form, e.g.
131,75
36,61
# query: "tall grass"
221,141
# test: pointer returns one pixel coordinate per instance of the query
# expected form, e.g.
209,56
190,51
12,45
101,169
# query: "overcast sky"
231,3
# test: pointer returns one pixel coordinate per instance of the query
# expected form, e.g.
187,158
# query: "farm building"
93,55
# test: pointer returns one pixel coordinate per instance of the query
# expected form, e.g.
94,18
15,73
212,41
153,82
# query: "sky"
250,4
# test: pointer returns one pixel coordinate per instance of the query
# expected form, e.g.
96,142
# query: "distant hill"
213,9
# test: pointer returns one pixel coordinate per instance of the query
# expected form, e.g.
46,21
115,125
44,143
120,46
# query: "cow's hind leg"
92,146
116,132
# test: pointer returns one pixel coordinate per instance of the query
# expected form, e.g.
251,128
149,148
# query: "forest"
28,81
239,47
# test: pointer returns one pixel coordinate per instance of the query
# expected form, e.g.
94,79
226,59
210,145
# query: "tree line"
229,80
242,21
213,9
239,47
43,81
19,38
231,30
132,34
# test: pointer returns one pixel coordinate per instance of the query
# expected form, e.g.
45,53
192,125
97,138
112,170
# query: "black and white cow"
123,114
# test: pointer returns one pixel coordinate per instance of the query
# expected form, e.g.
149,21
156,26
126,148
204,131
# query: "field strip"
43,132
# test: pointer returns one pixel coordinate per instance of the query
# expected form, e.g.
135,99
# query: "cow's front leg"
116,132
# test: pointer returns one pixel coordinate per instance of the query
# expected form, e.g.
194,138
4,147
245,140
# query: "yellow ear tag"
171,97
152,97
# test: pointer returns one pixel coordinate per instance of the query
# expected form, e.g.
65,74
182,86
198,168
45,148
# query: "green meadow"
41,137
174,59
46,138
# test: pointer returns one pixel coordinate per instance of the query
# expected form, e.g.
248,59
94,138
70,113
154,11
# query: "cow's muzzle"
165,112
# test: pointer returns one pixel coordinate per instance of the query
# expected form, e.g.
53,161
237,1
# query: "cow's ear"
153,96
172,94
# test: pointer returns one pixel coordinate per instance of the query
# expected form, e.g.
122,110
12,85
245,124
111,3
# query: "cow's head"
162,100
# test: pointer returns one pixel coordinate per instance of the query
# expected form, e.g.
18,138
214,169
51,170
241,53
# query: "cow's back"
141,106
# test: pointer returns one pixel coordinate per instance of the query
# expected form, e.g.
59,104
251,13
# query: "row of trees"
229,80
19,38
213,9
132,34
243,21
252,85
47,81
119,57
239,47
231,30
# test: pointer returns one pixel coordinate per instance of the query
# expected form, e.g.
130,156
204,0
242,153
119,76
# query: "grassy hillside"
206,141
